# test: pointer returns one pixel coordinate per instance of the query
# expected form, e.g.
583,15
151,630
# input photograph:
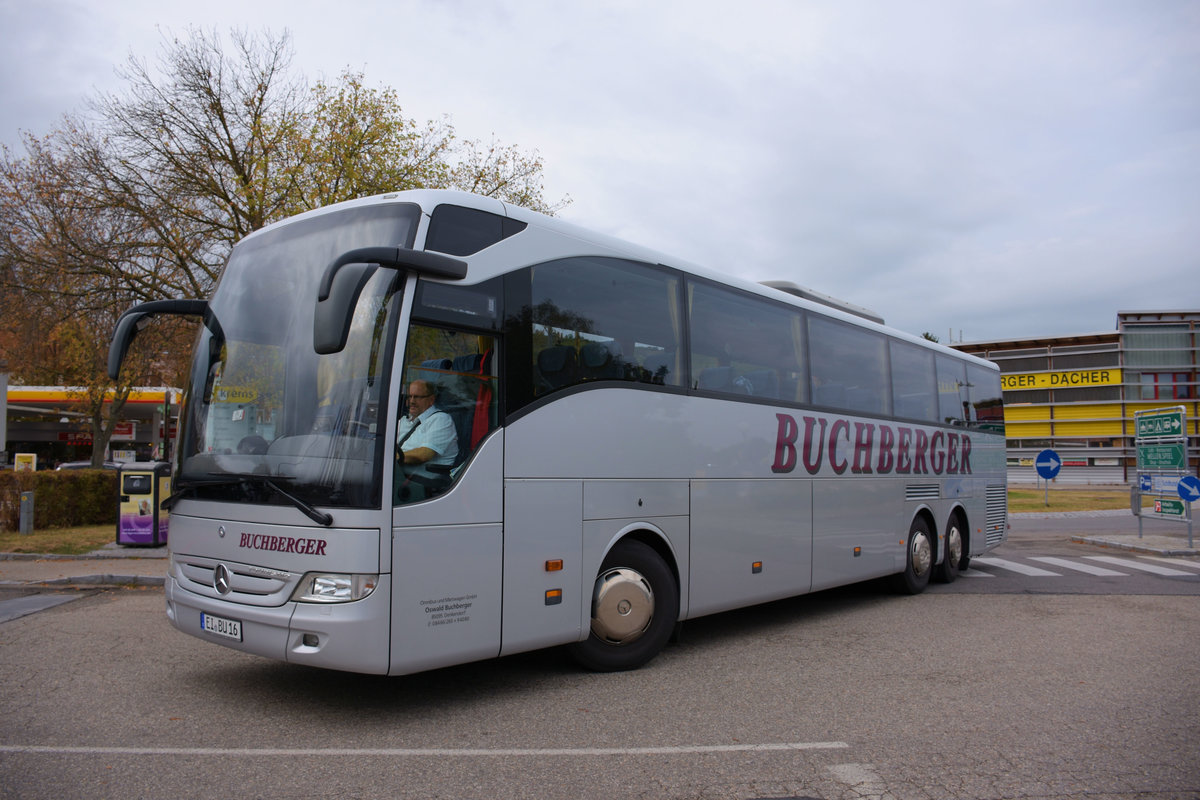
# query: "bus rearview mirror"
332,316
346,276
132,321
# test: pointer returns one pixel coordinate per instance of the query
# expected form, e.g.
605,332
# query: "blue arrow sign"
1189,488
1048,464
1146,484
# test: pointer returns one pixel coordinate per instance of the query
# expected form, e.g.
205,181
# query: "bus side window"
602,319
744,345
953,401
914,389
461,367
557,366
849,367
659,366
600,361
987,404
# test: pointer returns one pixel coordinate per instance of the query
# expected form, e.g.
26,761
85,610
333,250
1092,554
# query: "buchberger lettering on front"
283,544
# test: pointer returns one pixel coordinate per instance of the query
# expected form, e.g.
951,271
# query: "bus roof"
546,238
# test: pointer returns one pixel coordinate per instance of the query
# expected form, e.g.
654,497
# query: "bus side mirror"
134,319
122,337
333,314
345,277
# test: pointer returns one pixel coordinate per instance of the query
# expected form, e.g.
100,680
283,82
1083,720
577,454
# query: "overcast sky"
991,169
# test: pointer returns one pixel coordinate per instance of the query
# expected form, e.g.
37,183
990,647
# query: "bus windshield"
267,419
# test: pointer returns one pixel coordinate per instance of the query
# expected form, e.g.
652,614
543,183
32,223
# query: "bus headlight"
326,587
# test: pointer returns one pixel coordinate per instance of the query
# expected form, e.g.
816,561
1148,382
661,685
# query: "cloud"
999,168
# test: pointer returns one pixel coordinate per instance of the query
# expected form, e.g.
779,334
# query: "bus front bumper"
349,636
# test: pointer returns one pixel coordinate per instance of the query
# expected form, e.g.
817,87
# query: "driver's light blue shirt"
436,432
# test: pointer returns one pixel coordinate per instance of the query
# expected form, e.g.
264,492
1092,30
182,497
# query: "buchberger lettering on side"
869,448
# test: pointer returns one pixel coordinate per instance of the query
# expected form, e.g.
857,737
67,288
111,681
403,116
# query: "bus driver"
426,435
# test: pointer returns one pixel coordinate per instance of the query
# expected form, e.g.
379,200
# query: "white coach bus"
634,442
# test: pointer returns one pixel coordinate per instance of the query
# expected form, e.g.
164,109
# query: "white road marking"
1013,566
974,573
1130,564
1178,562
1075,565
438,752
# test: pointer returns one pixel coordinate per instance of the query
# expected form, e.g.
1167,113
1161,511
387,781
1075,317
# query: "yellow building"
1078,394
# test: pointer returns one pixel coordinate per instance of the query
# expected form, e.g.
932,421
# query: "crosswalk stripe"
1177,562
1140,563
1013,566
1125,562
1075,565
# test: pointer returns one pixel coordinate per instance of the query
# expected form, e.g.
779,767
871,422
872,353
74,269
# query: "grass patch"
60,541
1086,499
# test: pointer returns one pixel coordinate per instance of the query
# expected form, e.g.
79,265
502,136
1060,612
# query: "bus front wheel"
919,561
635,602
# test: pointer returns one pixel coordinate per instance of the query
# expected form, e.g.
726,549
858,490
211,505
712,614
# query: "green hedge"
60,499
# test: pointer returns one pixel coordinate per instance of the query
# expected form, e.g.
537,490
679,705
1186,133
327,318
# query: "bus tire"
947,571
635,604
918,561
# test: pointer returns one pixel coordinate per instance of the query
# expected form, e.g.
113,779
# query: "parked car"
88,465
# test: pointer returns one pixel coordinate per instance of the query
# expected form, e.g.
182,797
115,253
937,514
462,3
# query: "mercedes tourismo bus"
639,442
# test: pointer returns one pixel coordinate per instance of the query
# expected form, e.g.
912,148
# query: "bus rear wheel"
919,560
635,602
952,559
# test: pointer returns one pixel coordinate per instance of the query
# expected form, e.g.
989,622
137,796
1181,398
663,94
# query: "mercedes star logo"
221,579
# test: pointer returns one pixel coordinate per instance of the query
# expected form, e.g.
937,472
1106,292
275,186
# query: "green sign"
1160,424
1169,508
1161,456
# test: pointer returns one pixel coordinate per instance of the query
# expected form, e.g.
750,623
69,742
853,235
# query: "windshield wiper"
228,478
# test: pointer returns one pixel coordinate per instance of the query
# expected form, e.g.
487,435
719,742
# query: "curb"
93,555
106,581
1135,547
148,561
1108,512
115,581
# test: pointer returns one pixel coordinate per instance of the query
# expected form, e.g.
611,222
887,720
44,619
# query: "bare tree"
143,197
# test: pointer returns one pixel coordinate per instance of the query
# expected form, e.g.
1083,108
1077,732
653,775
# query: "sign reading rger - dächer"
1060,380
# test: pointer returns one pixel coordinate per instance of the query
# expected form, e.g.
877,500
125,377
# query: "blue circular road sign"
1189,488
1048,464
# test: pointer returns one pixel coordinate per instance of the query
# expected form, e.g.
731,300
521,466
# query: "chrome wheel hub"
954,546
622,605
922,553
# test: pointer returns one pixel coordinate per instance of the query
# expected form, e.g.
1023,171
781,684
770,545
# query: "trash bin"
141,520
